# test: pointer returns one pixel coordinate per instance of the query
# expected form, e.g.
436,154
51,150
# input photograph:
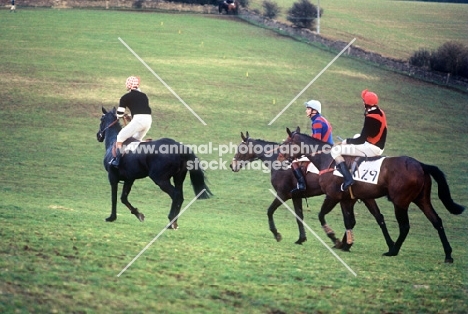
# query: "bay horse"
403,180
161,160
283,181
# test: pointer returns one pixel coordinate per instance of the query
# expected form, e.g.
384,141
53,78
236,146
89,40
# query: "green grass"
58,255
392,28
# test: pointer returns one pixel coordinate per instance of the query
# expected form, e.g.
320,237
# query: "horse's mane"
263,142
309,139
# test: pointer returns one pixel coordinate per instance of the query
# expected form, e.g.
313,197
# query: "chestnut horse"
403,180
283,181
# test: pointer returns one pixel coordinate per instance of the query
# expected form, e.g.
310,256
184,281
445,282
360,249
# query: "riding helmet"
132,82
369,98
314,104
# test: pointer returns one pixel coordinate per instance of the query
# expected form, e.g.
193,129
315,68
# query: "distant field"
58,255
391,28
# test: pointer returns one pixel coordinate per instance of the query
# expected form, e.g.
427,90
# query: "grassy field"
392,28
57,255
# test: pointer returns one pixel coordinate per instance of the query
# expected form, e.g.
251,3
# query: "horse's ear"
243,137
289,131
114,110
104,111
247,134
298,130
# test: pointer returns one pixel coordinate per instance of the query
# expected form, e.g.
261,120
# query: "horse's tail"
197,177
444,190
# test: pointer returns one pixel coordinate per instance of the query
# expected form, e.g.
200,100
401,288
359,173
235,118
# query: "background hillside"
392,28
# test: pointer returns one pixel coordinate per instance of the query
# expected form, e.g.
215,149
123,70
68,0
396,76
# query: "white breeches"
364,150
137,128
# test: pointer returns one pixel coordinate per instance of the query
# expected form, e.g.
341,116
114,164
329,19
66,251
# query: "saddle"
365,169
307,166
130,142
356,161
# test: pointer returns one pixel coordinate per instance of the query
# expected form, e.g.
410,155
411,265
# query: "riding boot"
348,178
301,184
116,160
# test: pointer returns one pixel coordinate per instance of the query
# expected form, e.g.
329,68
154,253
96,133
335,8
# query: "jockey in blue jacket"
321,130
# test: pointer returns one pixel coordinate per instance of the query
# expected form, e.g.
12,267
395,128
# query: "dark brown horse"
162,160
283,181
402,179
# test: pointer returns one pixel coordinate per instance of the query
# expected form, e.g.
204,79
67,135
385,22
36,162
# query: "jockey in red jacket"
371,141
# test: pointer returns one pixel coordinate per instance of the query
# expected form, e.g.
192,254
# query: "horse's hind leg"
124,198
176,194
327,207
401,214
375,211
178,197
428,210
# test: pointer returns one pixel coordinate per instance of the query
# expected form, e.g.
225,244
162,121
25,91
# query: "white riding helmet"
314,104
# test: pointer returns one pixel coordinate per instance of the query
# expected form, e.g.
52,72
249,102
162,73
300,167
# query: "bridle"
291,143
247,160
101,132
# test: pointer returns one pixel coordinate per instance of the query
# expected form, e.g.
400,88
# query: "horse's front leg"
327,207
300,220
347,208
124,199
271,211
113,215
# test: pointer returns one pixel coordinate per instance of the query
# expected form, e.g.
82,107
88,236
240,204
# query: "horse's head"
298,144
290,149
108,119
244,153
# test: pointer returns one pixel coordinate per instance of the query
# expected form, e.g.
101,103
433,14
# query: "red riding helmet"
369,98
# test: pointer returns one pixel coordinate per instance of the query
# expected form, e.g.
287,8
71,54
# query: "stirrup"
114,162
297,190
347,186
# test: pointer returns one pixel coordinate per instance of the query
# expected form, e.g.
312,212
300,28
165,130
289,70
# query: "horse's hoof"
111,218
345,248
449,260
174,226
338,245
141,217
301,240
278,237
390,254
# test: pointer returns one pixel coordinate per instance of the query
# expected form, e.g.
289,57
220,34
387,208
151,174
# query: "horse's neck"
321,159
111,136
269,152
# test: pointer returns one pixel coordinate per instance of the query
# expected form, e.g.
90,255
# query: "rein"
112,123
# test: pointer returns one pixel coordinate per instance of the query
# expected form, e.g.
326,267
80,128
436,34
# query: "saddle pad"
368,171
311,168
131,147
